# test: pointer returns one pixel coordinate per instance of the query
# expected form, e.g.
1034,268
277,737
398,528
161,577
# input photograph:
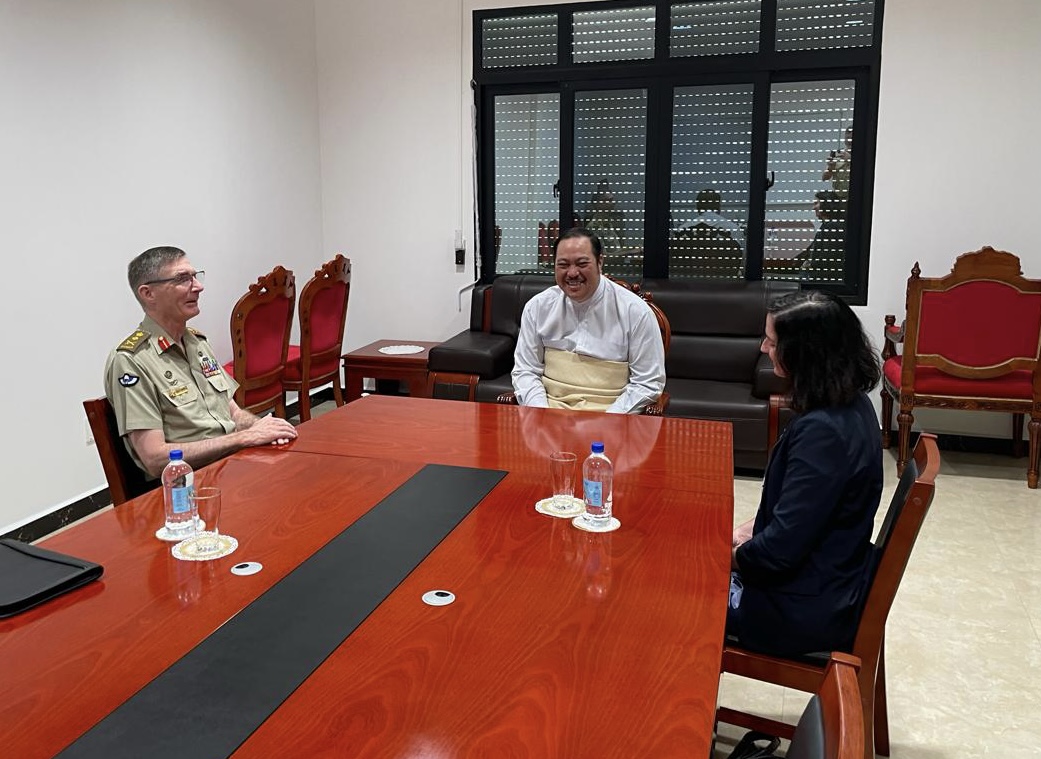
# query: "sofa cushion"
712,357
510,293
469,352
716,308
723,402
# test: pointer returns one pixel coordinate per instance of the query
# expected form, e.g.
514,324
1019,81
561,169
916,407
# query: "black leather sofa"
714,369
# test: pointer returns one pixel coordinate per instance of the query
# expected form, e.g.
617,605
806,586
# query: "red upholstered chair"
323,316
971,340
260,326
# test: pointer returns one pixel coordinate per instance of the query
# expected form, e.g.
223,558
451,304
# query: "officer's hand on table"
270,429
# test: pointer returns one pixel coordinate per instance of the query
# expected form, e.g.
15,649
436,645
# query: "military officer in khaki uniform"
167,388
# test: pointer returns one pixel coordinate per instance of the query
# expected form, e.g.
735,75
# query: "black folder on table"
31,575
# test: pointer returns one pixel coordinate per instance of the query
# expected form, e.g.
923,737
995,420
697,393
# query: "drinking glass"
207,502
562,476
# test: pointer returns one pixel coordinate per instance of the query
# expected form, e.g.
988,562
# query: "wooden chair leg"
303,401
338,392
887,418
881,719
904,420
1017,435
1034,429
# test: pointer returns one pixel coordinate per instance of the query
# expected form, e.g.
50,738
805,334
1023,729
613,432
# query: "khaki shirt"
155,384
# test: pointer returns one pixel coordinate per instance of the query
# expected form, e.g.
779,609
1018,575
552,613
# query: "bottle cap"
176,454
598,447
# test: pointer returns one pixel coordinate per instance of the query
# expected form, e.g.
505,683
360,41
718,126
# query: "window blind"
610,167
726,27
519,41
824,24
527,164
617,34
708,205
808,120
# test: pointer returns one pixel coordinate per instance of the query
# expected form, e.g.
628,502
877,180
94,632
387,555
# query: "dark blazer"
807,566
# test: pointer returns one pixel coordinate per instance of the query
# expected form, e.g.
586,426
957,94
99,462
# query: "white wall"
197,124
958,153
128,125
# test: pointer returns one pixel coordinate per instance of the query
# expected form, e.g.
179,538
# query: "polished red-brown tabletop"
560,642
678,454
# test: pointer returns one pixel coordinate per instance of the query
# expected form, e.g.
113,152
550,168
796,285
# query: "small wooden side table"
369,362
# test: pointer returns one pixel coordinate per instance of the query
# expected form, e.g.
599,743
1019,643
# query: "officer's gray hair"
148,266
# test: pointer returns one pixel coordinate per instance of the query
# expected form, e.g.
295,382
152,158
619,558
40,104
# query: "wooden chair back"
894,543
260,325
125,478
323,318
982,320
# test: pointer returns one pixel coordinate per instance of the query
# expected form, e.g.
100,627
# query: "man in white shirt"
587,343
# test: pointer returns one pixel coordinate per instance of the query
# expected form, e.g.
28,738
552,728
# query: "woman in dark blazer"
803,564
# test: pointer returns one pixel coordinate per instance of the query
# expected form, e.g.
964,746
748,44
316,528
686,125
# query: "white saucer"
187,550
400,350
163,534
545,506
610,526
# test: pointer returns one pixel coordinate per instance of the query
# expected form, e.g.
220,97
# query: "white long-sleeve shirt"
614,324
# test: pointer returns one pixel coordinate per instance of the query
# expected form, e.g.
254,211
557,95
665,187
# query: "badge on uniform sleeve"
129,380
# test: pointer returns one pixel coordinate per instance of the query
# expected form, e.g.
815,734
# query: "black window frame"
661,75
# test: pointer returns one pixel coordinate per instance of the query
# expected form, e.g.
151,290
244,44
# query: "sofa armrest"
485,354
766,383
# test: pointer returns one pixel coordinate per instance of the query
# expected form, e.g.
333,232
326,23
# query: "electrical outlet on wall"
88,432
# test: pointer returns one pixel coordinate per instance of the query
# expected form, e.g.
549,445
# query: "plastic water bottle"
178,485
597,484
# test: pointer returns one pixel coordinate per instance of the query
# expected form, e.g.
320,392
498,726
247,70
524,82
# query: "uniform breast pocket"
181,395
218,382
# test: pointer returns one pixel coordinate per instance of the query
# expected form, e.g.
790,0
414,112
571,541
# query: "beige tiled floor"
963,643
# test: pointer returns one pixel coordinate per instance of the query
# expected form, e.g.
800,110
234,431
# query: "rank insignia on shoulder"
135,341
196,332
128,380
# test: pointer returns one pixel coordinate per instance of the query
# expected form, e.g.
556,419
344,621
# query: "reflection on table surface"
560,643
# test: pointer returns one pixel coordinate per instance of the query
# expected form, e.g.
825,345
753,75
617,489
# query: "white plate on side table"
400,350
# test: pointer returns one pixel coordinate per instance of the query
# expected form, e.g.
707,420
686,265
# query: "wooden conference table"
561,643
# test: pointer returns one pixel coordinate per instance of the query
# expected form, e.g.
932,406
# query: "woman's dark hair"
822,348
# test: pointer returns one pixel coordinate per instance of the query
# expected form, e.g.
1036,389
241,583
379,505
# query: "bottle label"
180,498
594,493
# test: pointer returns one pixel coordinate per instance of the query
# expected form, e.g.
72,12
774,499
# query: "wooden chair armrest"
658,408
892,335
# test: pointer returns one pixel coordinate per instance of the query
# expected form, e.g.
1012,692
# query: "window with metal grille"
710,139
715,28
